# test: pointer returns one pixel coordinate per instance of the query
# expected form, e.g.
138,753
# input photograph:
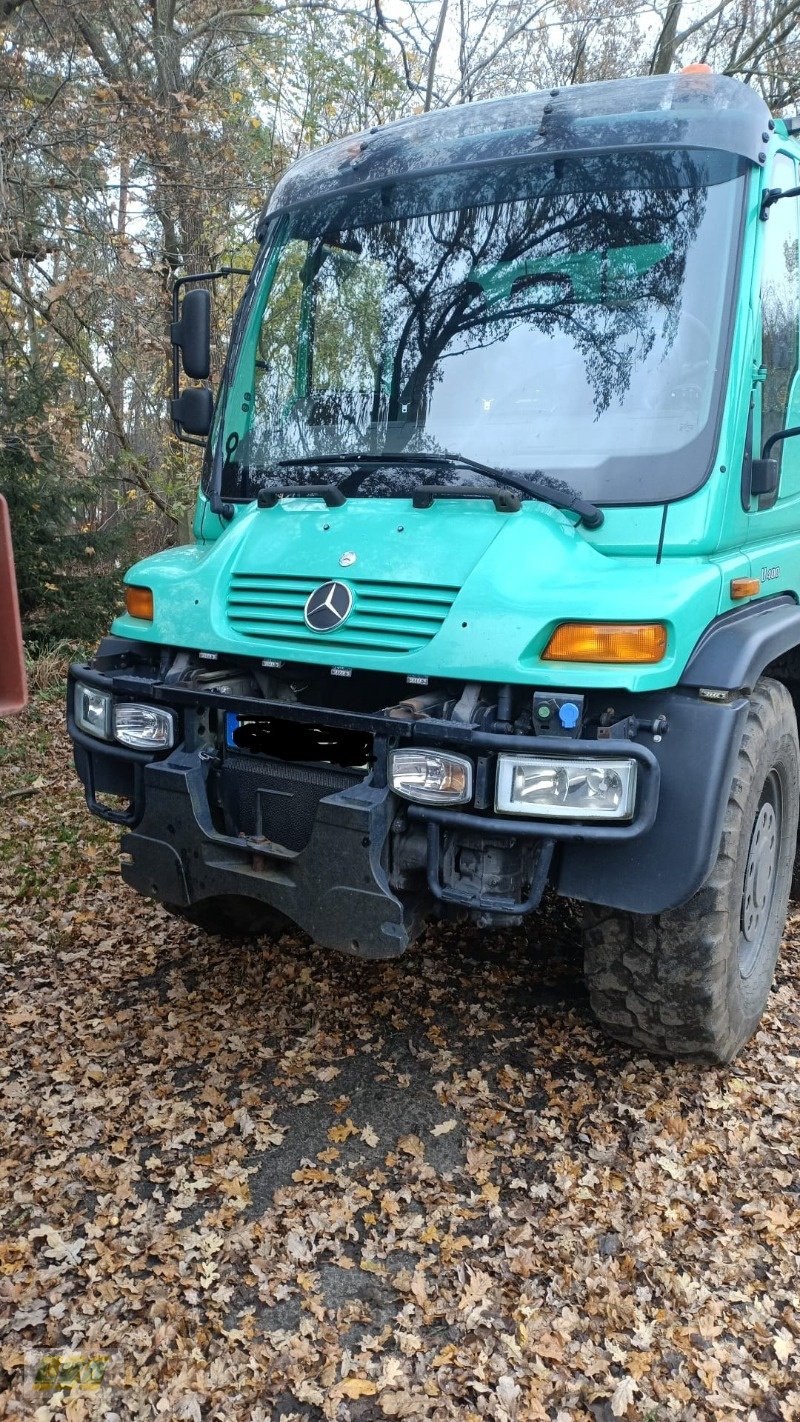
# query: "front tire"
694,982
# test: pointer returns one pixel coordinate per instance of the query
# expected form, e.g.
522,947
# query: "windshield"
567,319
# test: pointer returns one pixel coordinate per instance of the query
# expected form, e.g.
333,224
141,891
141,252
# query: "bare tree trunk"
434,54
117,380
665,49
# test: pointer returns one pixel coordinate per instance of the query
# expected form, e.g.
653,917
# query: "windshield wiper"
588,513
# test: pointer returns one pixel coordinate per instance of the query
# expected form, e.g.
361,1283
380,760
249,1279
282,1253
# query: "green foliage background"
141,138
67,562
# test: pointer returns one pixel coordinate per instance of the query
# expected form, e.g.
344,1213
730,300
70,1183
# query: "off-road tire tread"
662,982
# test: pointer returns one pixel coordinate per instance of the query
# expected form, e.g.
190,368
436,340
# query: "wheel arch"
761,639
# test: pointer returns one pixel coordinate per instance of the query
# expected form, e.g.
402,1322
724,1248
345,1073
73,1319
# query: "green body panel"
511,577
459,590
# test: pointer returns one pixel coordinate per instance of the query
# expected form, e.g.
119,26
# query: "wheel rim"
760,874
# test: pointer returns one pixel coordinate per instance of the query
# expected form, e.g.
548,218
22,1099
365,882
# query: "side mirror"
763,477
193,409
192,333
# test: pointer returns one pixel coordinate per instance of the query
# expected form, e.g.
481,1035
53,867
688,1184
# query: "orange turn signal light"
139,603
744,587
607,642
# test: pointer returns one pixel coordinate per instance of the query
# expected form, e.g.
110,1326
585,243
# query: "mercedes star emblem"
347,560
328,607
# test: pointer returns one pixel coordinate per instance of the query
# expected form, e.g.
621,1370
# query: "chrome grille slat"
386,616
364,613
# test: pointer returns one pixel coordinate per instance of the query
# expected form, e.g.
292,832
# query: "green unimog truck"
496,562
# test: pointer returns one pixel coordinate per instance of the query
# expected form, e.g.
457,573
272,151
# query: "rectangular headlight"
431,777
568,789
144,727
93,711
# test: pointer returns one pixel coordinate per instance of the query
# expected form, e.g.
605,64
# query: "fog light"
92,710
566,789
144,727
431,777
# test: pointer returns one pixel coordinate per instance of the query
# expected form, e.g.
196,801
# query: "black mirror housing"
193,409
192,333
764,477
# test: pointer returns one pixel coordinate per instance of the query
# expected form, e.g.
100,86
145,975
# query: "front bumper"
335,888
343,886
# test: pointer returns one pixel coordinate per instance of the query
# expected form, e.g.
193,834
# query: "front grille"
263,797
386,617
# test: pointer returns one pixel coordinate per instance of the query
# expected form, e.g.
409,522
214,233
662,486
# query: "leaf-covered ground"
277,1183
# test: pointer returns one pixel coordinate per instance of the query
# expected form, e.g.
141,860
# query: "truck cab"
496,561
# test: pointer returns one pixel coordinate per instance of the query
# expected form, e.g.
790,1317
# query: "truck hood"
457,589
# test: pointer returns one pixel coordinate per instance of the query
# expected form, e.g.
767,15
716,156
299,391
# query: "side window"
780,297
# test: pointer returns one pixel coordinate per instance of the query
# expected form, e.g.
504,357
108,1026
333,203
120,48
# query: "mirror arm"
773,195
775,439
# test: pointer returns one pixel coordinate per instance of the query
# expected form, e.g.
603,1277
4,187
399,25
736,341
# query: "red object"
13,687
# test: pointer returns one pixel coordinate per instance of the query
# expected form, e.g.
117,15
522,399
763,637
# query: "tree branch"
383,25
791,9
47,314
437,40
699,24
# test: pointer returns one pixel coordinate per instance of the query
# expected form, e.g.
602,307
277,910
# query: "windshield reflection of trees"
363,325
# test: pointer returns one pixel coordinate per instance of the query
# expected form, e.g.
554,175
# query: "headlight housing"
134,724
92,709
144,727
431,777
572,788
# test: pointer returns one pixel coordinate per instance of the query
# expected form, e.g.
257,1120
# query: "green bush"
69,555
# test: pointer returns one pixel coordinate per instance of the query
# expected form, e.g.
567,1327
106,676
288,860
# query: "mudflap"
335,889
